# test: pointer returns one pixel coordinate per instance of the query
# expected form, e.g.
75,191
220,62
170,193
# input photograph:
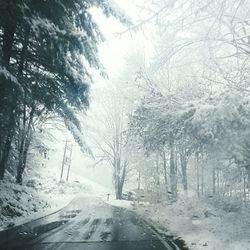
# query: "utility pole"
69,163
66,159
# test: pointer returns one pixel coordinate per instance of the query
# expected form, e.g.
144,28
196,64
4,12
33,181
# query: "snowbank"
18,202
200,224
119,203
40,196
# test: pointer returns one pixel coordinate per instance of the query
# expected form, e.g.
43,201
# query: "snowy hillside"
203,225
42,192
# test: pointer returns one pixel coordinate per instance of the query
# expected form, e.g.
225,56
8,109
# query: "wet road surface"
87,223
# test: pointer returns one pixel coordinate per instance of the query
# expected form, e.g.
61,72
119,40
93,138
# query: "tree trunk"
214,181
25,143
244,186
7,146
198,176
202,180
119,189
122,179
157,178
139,180
8,39
165,171
248,176
183,159
173,178
119,178
22,163
25,137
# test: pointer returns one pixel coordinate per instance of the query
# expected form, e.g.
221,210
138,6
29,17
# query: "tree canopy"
47,50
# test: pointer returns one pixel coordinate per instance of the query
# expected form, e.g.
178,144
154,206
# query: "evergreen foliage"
47,48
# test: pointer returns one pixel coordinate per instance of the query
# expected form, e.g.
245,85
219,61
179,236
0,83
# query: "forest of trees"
178,121
47,48
211,135
193,121
186,121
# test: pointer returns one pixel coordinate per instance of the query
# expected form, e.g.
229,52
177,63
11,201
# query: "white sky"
116,47
112,53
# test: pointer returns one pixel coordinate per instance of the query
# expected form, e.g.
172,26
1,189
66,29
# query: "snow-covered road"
86,223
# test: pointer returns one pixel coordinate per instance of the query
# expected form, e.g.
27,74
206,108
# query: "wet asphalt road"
87,224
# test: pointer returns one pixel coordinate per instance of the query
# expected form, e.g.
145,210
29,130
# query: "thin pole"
63,161
71,149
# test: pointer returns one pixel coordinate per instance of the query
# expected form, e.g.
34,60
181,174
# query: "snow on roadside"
119,203
42,191
18,202
200,224
41,195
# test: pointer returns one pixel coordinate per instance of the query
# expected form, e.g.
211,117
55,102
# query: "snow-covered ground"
42,191
42,194
200,224
119,203
20,204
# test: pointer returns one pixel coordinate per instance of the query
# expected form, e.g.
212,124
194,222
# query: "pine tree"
47,47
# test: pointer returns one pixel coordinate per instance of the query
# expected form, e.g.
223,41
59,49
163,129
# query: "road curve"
87,223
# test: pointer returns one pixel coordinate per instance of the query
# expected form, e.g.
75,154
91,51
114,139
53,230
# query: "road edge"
39,218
